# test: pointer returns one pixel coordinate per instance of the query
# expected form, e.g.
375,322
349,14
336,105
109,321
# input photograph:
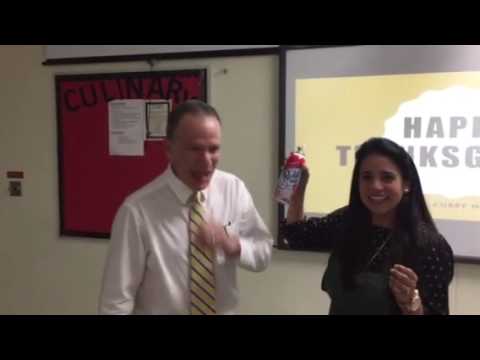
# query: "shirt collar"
182,191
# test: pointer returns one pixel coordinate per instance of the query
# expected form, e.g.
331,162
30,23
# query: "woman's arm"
435,276
315,233
425,292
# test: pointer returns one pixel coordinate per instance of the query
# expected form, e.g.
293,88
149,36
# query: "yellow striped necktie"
202,269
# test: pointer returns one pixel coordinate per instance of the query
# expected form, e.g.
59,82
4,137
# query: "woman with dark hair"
387,254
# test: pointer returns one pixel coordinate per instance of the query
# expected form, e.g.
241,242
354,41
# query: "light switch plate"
15,188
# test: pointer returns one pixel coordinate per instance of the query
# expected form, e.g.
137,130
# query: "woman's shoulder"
434,241
430,233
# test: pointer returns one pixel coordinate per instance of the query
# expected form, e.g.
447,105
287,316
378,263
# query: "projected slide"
336,98
436,117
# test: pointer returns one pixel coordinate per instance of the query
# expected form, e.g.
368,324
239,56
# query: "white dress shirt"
147,268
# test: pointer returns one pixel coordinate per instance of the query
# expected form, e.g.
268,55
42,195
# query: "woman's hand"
403,283
295,208
302,185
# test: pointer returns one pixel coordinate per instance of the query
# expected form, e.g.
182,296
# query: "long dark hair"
412,215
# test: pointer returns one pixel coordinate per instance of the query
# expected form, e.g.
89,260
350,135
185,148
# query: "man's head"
193,143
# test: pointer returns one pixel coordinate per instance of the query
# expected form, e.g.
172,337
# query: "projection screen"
426,98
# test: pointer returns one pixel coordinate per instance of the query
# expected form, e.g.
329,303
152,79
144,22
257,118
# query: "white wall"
42,273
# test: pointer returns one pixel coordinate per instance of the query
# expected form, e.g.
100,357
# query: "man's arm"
245,239
253,235
124,266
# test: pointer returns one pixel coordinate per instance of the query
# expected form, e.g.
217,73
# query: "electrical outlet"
15,188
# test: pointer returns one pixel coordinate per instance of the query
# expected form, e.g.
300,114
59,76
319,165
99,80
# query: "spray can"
290,176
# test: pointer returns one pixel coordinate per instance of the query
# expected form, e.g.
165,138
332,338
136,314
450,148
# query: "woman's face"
381,188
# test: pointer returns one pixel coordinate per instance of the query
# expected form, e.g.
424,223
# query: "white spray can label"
290,176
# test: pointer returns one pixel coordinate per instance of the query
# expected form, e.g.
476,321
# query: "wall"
42,273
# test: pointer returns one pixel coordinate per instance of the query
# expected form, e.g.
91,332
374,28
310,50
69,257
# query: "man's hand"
215,236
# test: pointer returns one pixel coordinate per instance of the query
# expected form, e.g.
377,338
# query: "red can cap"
295,159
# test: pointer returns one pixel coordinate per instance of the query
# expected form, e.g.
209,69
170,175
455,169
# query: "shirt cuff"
245,258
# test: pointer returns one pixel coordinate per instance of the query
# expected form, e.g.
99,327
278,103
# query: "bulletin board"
93,183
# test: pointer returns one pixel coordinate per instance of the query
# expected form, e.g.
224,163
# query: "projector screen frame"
286,145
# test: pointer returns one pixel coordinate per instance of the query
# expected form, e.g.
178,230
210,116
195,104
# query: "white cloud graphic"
442,129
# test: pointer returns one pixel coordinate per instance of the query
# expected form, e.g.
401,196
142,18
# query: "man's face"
194,150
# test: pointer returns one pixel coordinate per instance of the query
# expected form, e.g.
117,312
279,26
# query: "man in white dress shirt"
147,268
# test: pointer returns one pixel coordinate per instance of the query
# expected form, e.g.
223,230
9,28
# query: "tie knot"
197,197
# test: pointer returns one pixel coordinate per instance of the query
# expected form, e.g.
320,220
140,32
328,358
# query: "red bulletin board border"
92,183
